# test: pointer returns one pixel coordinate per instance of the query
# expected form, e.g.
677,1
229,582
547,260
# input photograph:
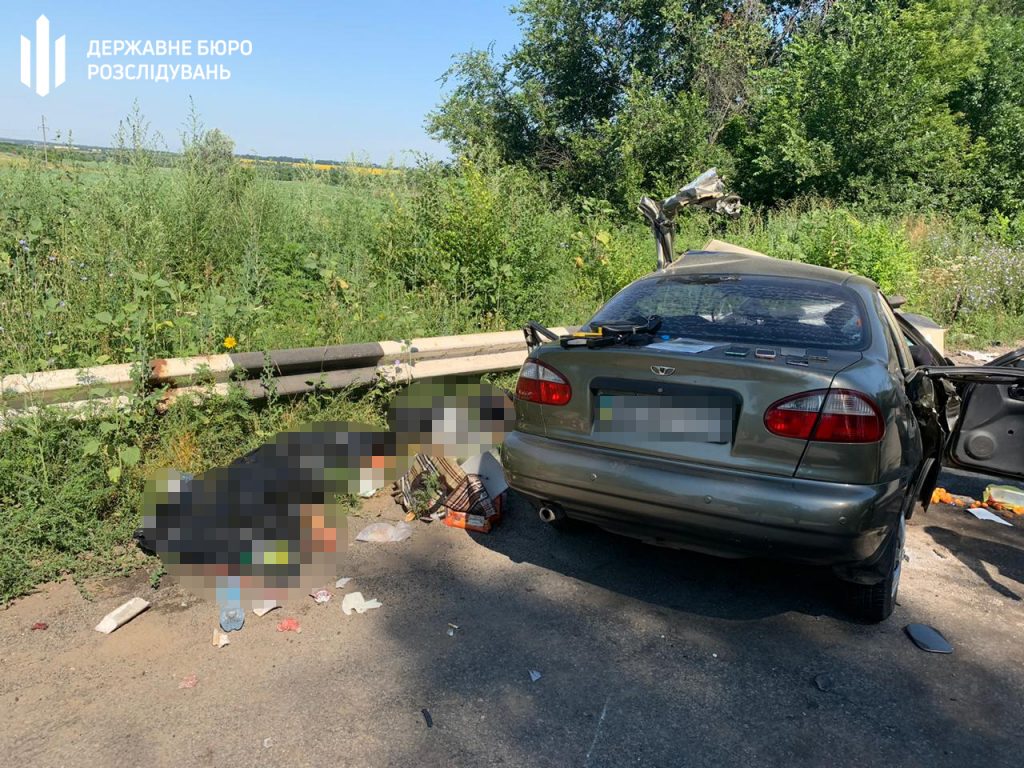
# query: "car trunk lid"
697,401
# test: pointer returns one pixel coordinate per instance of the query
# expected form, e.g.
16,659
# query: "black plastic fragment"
928,638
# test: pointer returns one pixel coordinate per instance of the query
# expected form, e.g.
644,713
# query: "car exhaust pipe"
552,514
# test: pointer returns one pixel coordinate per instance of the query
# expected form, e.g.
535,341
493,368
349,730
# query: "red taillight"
827,415
539,383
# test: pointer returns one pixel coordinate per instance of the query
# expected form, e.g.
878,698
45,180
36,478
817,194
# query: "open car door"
988,436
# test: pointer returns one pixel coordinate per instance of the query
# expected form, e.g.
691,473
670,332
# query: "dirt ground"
959,355
647,657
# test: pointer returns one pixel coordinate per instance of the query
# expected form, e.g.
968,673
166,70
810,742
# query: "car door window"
897,343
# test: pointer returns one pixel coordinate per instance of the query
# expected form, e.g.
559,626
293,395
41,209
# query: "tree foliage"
892,104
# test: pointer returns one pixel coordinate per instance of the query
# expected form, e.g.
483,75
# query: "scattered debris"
232,618
267,743
342,582
452,629
984,514
220,639
471,507
354,601
385,532
427,718
320,596
824,683
288,625
262,608
928,638
122,615
488,468
189,681
1005,497
942,496
468,496
981,357
534,675
422,490
40,625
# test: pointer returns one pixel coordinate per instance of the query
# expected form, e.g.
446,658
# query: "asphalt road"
647,657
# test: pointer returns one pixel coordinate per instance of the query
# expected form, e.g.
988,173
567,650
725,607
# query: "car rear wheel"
872,603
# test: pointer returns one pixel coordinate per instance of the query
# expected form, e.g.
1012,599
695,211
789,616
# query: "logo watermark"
42,46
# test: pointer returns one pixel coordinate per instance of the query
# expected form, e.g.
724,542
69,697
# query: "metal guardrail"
293,371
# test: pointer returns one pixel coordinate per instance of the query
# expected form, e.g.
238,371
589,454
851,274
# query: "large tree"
892,103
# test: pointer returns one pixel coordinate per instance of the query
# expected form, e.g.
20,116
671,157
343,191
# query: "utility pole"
43,126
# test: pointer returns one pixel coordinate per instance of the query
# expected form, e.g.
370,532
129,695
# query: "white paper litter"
984,514
354,601
320,596
263,607
122,615
534,675
342,582
385,532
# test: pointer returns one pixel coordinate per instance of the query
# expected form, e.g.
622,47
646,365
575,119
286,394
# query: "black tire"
874,603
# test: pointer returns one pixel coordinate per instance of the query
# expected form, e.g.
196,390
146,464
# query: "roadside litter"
385,532
262,608
942,496
427,718
981,357
122,615
452,629
320,596
984,514
40,625
1006,497
232,618
469,496
534,675
354,601
928,638
220,639
189,681
1001,498
342,582
824,683
289,625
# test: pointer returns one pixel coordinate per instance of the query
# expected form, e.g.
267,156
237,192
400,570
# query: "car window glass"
747,308
897,340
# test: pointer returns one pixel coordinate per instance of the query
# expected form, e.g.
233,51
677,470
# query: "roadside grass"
71,489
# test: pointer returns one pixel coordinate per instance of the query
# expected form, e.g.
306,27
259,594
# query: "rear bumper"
722,512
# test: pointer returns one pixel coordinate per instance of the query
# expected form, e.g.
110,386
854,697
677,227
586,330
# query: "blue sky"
324,80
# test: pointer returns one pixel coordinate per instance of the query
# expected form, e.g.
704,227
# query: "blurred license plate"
665,418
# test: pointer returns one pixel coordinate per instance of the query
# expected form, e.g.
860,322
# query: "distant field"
369,170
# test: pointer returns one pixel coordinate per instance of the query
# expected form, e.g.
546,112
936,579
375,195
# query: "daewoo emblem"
663,370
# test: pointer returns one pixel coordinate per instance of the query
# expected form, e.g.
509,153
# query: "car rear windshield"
744,309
